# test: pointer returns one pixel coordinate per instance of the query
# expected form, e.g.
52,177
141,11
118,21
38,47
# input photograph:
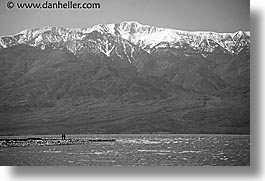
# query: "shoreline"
58,136
26,142
81,139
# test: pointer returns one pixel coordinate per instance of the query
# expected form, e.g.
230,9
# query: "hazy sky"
208,15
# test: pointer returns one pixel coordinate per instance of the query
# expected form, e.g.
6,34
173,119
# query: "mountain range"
124,78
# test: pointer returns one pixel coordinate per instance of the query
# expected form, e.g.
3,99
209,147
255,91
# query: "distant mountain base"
163,116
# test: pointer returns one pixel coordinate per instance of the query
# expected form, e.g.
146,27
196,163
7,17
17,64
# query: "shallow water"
134,150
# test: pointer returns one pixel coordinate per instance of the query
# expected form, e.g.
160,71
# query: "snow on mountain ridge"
148,37
144,36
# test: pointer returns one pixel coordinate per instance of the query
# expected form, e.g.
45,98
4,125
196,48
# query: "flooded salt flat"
136,150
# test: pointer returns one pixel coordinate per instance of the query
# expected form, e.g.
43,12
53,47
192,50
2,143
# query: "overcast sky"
195,15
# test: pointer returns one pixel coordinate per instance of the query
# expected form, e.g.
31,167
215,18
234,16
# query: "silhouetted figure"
63,136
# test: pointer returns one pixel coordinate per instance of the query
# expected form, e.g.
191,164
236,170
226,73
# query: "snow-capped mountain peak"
148,38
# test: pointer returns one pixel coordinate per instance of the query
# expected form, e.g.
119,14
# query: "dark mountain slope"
136,79
59,92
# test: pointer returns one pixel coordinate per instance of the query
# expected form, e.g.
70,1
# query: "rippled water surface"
133,150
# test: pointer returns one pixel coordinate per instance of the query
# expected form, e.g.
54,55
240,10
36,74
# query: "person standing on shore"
63,136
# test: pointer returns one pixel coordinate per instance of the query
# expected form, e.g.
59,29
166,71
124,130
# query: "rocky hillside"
124,78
